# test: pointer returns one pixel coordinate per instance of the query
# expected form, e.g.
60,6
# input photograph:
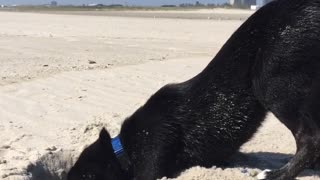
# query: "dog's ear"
97,161
104,135
105,139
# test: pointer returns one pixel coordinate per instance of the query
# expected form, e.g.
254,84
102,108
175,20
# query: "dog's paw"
263,175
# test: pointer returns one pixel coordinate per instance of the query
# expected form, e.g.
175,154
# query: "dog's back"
273,57
271,63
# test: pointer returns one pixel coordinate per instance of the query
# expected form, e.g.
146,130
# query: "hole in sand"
52,166
55,165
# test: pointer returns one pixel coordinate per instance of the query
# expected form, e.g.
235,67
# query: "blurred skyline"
124,2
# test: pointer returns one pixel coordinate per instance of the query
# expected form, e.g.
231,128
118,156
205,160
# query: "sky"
128,2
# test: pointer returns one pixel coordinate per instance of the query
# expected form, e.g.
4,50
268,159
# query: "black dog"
271,63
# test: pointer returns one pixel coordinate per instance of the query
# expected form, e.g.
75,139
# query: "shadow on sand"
51,166
268,160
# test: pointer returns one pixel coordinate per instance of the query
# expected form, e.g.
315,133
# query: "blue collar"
117,146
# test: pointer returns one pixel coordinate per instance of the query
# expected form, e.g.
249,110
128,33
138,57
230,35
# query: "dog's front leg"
149,168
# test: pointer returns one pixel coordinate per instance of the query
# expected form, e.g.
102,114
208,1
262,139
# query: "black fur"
100,162
271,63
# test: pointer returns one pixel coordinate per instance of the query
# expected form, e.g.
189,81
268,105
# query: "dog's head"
97,162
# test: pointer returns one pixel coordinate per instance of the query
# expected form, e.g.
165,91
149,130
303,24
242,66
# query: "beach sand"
64,77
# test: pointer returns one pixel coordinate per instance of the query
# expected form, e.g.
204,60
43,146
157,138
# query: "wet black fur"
271,63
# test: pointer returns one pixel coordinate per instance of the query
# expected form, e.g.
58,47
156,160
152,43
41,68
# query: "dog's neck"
120,153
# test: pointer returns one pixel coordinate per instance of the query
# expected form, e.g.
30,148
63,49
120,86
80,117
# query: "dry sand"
55,99
217,14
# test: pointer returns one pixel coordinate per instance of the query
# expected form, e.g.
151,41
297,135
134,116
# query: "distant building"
199,4
96,5
92,5
261,3
54,3
244,3
168,5
115,5
186,5
249,3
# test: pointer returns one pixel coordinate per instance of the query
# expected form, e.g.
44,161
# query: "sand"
216,13
64,77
